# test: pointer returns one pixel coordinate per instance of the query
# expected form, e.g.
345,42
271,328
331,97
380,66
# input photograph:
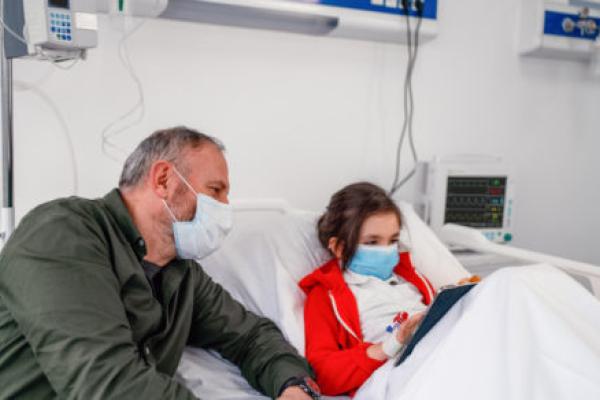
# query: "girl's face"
380,229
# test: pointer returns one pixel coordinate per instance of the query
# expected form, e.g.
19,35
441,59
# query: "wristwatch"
309,387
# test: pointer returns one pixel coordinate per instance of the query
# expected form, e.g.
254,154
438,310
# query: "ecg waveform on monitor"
477,202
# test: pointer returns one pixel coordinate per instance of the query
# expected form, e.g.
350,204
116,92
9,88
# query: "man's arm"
253,343
57,283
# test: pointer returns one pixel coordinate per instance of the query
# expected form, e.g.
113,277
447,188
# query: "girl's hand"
404,333
375,352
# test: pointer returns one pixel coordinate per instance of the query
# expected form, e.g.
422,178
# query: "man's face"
205,169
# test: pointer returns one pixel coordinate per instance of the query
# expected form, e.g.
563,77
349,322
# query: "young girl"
364,304
525,333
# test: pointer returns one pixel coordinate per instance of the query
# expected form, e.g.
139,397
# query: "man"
99,297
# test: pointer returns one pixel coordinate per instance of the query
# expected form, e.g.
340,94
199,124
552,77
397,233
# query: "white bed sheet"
526,333
209,376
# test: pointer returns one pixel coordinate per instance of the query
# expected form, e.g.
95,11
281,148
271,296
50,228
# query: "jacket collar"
116,206
177,269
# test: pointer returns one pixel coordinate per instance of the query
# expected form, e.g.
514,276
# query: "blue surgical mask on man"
377,261
200,237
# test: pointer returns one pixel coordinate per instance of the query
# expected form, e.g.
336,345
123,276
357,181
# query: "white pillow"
246,263
269,251
429,255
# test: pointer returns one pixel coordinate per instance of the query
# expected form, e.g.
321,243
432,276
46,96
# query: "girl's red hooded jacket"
334,343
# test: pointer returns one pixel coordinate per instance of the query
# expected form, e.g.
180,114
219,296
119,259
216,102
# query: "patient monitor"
471,191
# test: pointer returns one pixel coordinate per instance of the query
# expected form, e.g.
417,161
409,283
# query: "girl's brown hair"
347,211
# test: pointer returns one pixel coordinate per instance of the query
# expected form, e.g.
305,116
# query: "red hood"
328,275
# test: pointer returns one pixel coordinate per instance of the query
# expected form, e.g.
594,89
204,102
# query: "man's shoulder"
70,204
196,270
200,278
60,221
64,211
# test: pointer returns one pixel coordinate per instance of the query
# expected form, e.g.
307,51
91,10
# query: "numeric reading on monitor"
477,202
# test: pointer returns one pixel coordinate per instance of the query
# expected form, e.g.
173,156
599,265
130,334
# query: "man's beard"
184,210
185,206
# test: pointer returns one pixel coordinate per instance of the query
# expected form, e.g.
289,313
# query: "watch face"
311,388
306,384
312,385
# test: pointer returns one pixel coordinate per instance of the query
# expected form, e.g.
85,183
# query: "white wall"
302,116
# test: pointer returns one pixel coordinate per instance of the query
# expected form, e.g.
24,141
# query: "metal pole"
7,213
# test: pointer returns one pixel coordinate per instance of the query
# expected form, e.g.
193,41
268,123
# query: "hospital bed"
272,246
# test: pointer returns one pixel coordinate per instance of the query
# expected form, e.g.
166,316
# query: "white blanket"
524,333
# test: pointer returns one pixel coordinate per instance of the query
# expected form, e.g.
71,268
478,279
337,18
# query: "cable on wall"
112,129
407,125
24,86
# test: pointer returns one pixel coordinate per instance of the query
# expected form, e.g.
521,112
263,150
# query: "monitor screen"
476,201
58,3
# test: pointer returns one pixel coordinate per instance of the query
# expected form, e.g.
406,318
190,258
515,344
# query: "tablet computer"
443,302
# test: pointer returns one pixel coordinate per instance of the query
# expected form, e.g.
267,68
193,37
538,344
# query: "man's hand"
294,393
406,329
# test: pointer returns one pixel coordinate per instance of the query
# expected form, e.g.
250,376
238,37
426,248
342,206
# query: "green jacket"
78,319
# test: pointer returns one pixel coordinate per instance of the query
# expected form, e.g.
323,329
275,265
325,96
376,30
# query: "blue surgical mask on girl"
200,237
377,261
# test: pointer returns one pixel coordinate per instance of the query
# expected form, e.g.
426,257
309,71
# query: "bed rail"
473,239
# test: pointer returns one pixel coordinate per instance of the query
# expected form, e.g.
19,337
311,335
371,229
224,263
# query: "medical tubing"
406,103
24,86
141,103
411,95
106,133
409,118
9,30
412,105
126,62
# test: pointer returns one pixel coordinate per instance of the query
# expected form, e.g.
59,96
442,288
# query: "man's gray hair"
166,144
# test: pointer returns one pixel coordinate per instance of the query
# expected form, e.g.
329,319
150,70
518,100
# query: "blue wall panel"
553,25
429,11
